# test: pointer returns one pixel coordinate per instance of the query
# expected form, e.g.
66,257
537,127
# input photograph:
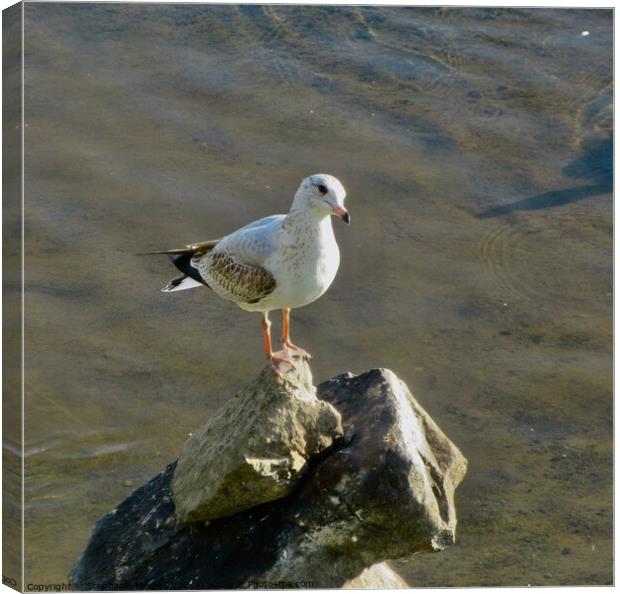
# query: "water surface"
476,148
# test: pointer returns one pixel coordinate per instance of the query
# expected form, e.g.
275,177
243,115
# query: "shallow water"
476,148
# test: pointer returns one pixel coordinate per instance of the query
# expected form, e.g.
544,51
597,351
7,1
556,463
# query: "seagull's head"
325,194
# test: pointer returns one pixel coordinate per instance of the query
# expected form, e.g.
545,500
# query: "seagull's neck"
301,214
308,224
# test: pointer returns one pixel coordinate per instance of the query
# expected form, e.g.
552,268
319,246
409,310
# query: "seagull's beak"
343,213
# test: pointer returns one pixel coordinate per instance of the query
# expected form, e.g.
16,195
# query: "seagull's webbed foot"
289,346
281,363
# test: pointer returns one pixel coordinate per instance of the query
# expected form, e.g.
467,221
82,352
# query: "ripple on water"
517,255
421,57
80,445
593,111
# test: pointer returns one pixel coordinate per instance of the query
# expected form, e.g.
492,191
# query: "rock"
384,491
254,449
379,576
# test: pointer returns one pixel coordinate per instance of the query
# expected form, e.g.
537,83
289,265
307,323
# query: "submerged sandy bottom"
476,149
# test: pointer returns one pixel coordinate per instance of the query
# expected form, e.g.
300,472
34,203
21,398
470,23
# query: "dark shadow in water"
547,200
596,165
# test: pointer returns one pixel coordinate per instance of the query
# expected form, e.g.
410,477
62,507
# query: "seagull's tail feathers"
184,263
190,249
182,259
181,284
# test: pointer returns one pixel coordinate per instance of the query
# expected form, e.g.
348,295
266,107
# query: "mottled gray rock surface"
255,448
384,491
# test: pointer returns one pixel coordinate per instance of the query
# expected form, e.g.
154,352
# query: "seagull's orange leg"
286,339
279,361
266,324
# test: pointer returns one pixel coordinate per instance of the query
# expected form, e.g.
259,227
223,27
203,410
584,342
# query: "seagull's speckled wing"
234,269
236,281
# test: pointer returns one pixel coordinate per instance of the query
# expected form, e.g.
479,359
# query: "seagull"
277,262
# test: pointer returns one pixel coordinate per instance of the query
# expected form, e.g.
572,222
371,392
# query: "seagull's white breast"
304,263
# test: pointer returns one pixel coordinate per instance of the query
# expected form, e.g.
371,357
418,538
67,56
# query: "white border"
464,3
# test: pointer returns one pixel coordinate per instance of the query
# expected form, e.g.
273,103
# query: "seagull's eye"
321,188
